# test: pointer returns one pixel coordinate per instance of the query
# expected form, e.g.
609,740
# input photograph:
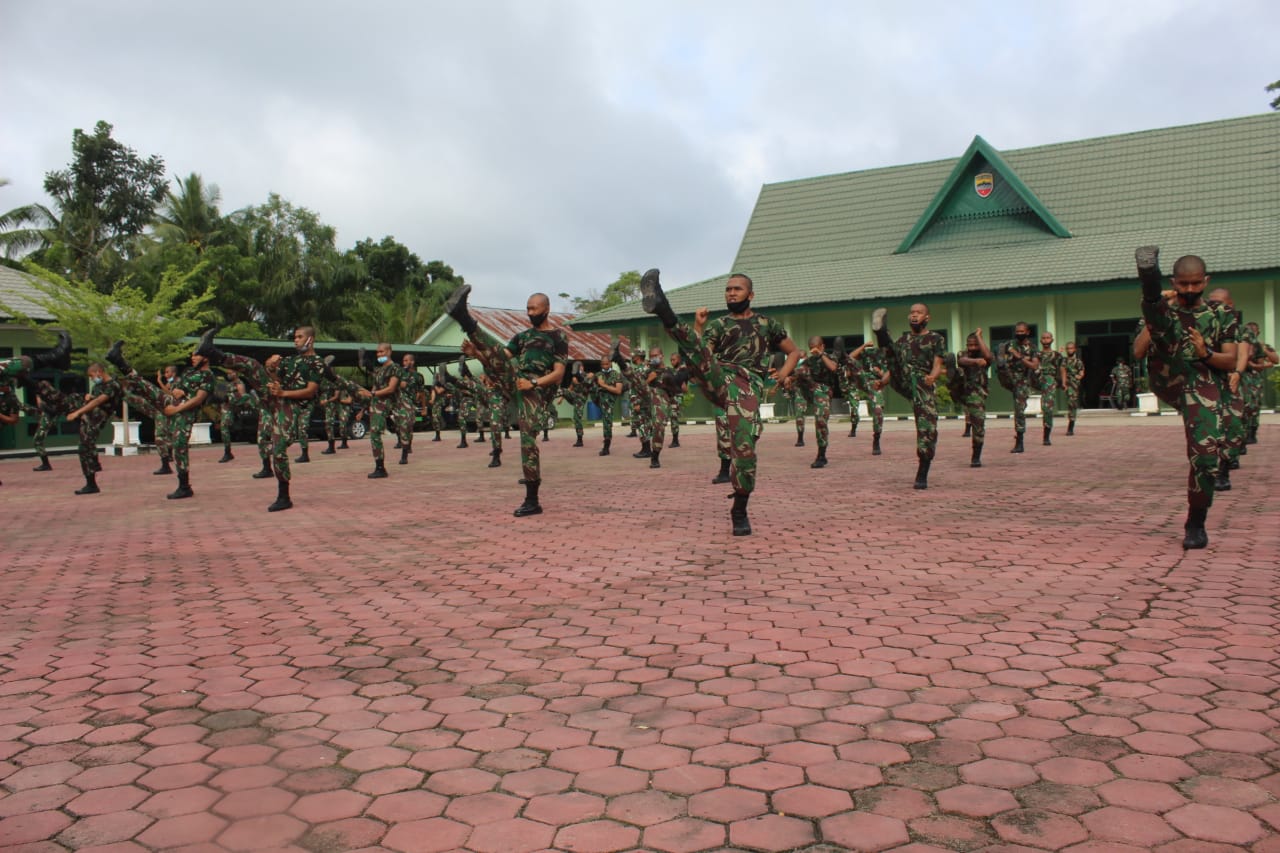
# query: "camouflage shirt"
745,342
1075,366
975,378
1050,362
193,382
381,378
1020,371
296,371
536,352
917,352
1217,325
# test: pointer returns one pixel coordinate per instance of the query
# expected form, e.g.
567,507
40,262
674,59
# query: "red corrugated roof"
504,324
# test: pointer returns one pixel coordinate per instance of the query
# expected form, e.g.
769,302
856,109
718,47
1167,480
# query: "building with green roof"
1043,235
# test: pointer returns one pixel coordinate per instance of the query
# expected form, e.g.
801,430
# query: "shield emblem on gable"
984,183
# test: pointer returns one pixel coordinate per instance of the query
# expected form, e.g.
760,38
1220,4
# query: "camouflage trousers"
466,413
821,406
43,426
284,414
1167,386
377,426
302,423
975,417
1124,391
52,406
437,415
1232,423
264,435
531,407
91,423
333,421
909,382
1254,391
482,413
178,427
579,415
1073,400
660,405
607,402
1020,395
1048,399
737,392
851,396
224,427
406,414
800,408
875,406
677,405
642,416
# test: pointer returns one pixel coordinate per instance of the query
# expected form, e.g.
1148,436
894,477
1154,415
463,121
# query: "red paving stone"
834,681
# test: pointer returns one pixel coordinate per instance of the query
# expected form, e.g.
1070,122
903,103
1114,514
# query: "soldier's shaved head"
1189,265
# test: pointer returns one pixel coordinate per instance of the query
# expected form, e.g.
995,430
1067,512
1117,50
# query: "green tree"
190,215
1275,102
105,199
152,324
625,289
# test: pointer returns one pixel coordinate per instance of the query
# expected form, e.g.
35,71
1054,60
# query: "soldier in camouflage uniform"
529,369
967,375
10,406
238,400
104,396
1121,383
664,385
464,396
641,410
383,398
798,407
1165,383
59,358
497,418
608,387
412,396
1052,376
330,401
1203,341
850,389
165,380
729,358
575,394
284,381
915,363
1262,358
180,404
814,379
677,401
438,401
1074,367
1022,365
51,404
1231,404
869,371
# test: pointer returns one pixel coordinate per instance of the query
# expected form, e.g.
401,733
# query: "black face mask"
536,320
1022,336
1188,300
738,307
974,352
919,327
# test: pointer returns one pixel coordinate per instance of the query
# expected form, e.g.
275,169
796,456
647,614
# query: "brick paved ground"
1019,659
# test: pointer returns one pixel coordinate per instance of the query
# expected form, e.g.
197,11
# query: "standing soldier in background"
302,425
608,387
238,400
967,373
104,395
677,401
1202,340
385,381
1017,368
1231,404
497,418
915,363
1262,358
439,400
285,382
1052,375
330,397
575,394
164,437
641,411
664,385
464,400
850,388
814,379
1121,383
797,404
729,358
1074,367
412,397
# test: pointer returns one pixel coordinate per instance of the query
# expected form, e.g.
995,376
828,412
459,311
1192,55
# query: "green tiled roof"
1211,189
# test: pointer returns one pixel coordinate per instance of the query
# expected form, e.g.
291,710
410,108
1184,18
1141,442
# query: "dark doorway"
1100,343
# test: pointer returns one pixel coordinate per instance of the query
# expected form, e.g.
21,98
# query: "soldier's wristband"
1208,355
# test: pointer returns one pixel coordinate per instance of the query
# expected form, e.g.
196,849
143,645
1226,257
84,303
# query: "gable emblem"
984,183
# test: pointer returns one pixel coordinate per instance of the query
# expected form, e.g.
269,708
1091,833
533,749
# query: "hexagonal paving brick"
975,800
1216,823
864,832
726,805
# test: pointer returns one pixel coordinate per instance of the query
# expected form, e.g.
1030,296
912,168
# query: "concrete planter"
766,410
1148,404
124,438
200,433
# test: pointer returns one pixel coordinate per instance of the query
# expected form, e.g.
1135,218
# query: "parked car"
245,425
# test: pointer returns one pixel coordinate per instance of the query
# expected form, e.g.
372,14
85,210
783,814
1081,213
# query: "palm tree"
191,214
23,229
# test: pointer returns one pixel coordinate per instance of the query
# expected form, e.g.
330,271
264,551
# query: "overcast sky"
550,145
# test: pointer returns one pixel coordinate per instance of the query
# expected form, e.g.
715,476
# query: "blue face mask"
382,359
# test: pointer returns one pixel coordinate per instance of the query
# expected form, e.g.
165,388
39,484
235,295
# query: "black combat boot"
530,505
379,470
1222,482
654,301
506,433
1195,534
738,515
404,455
821,460
399,444
645,451
227,455
437,438
875,444
800,438
282,497
1047,430
463,443
1148,261
723,476
59,358
496,460
633,432
975,461
545,435
853,429
604,450
1017,443
1071,426
578,443
330,450
44,464
653,459
922,474
90,486
305,456
115,356
266,470
456,307
1252,437
164,468
207,349
968,430
184,487
675,439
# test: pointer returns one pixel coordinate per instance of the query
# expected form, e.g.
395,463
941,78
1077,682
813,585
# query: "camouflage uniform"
1050,376
331,398
910,360
92,422
497,418
851,390
575,394
798,407
663,390
533,354
606,400
412,384
53,404
971,389
1023,380
1254,381
465,405
294,373
379,407
730,362
265,419
439,402
814,383
1075,367
641,416
190,383
869,367
1166,384
1122,379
